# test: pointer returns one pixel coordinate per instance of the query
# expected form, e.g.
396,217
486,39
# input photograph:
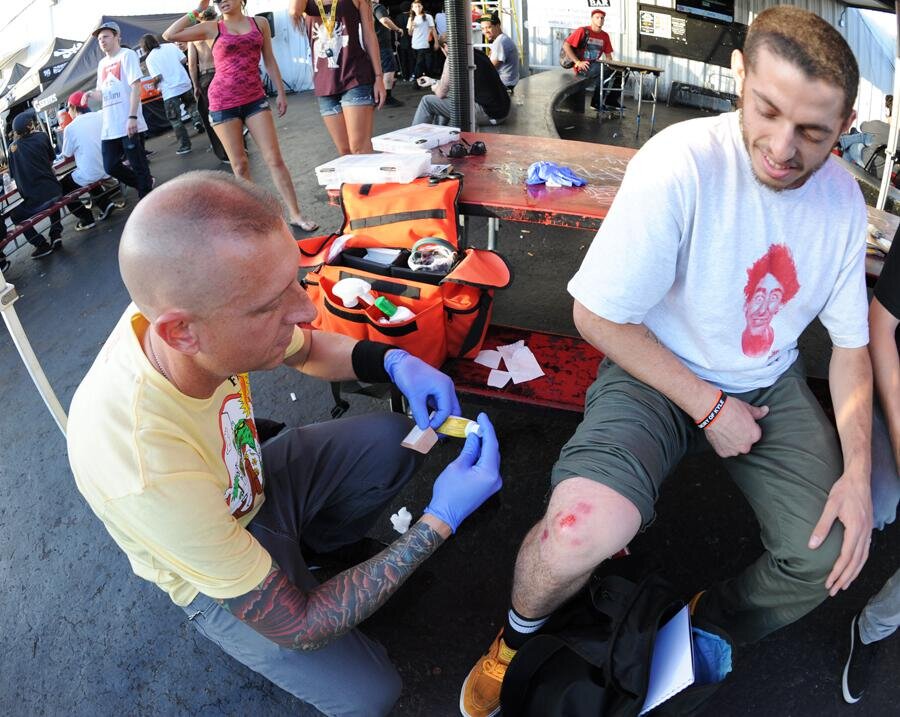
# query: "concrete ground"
83,636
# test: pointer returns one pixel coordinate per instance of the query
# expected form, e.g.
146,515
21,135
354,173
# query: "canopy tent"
51,62
17,73
891,153
886,5
82,69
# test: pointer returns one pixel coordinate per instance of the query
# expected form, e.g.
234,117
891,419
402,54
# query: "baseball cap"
21,121
594,12
108,25
77,99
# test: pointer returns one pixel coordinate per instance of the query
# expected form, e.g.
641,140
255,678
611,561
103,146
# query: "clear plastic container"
415,138
373,169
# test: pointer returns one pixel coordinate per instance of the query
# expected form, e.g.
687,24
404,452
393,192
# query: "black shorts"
388,61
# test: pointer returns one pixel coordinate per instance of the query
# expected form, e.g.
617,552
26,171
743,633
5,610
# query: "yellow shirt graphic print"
240,449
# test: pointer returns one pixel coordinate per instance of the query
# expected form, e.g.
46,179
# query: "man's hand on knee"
850,501
735,429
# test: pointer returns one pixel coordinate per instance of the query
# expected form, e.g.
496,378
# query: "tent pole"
8,296
891,151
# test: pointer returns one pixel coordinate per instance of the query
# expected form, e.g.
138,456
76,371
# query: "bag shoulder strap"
528,660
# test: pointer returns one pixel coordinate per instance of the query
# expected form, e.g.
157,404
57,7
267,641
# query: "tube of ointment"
458,427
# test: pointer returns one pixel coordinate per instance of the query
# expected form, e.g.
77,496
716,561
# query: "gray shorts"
632,436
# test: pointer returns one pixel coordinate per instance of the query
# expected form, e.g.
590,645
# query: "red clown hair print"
771,283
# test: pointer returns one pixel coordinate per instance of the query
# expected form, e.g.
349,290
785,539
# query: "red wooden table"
887,224
494,184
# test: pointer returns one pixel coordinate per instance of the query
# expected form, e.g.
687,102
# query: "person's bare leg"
231,135
262,129
585,523
359,120
338,131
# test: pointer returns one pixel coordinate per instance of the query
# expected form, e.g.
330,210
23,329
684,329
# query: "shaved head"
190,244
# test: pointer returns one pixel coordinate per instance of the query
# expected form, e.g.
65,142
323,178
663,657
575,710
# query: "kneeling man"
165,447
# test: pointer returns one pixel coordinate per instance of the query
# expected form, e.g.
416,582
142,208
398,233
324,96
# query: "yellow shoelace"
495,669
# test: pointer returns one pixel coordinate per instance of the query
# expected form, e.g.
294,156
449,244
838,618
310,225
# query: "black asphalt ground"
82,636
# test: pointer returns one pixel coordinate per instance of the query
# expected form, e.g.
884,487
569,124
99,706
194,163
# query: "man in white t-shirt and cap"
165,65
119,84
83,144
728,237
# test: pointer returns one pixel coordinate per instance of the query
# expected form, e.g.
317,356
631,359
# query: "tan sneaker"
480,694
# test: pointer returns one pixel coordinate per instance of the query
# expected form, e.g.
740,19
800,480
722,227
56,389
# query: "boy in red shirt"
585,46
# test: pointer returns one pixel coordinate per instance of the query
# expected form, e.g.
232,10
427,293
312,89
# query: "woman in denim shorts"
236,94
347,77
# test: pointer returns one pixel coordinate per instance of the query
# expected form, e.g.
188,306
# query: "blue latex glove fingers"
424,388
574,179
444,402
489,460
561,179
469,480
534,176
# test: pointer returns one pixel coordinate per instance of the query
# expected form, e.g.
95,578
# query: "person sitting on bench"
165,447
31,166
728,236
82,141
492,102
586,46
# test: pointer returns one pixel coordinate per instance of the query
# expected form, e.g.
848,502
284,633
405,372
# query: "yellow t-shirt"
174,479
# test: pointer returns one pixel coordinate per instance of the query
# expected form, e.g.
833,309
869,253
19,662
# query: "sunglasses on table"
463,149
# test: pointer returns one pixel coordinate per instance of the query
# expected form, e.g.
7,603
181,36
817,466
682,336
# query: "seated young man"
31,158
586,47
728,236
492,103
880,617
165,447
82,142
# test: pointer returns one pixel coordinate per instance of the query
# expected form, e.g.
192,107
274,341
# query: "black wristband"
132,116
368,361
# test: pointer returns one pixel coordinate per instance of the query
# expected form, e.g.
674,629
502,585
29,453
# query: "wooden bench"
59,205
570,366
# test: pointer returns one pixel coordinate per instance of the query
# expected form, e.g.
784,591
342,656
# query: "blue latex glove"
469,480
422,385
553,175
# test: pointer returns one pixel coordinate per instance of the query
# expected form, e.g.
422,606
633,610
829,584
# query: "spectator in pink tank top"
347,77
236,94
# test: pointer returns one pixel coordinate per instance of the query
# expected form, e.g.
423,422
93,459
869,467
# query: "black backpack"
564,60
593,655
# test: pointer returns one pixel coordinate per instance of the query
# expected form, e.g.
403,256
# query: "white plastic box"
374,168
415,138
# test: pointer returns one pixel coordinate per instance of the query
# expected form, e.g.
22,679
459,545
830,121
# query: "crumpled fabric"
553,175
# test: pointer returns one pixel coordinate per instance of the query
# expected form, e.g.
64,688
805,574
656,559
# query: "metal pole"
462,64
8,296
891,151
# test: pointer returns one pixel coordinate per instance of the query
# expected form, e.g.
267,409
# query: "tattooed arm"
636,349
298,620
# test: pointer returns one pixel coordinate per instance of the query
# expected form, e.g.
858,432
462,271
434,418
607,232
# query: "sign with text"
571,14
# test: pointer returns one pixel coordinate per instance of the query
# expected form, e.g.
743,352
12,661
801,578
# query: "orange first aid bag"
450,306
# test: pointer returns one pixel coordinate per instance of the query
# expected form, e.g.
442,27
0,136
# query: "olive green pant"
632,437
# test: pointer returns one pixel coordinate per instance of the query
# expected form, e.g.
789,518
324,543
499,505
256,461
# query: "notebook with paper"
672,663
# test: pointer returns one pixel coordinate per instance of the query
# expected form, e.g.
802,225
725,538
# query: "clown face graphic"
771,283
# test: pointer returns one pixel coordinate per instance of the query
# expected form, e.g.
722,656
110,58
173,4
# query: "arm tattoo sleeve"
282,612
